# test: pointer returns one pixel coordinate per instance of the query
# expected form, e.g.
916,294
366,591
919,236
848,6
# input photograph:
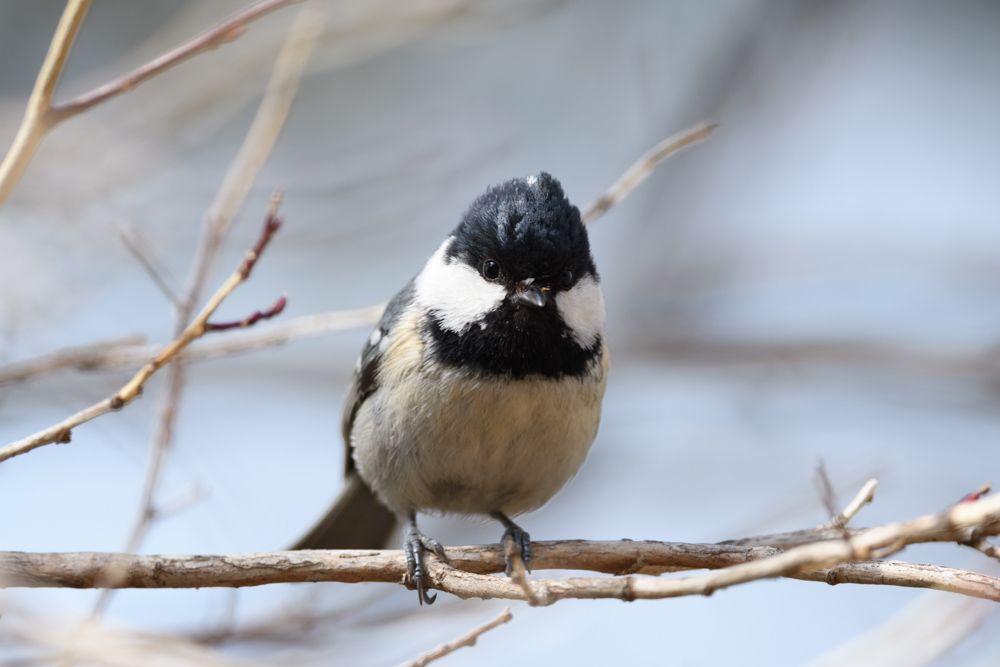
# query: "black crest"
528,226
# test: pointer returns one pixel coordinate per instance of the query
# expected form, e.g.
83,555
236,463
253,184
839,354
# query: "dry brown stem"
643,167
60,433
104,356
469,570
863,497
130,352
468,639
242,172
41,115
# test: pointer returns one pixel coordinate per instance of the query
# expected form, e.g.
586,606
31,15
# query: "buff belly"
441,440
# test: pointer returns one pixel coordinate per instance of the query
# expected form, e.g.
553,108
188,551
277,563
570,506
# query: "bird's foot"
516,543
414,546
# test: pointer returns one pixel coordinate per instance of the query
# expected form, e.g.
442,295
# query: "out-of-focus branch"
226,31
256,147
94,356
129,352
643,167
863,497
140,249
240,176
41,115
60,433
468,572
468,639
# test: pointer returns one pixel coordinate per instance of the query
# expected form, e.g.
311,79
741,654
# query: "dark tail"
356,521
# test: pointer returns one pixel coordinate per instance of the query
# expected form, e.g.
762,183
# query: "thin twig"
84,357
643,167
863,497
987,548
139,247
129,352
60,433
516,569
256,147
242,173
273,310
824,487
41,116
468,639
224,32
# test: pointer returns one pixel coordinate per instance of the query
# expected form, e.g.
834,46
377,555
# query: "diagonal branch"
131,352
41,115
60,433
643,167
468,639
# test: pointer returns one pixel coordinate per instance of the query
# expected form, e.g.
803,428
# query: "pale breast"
472,445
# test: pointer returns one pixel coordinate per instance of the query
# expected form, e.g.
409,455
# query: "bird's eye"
490,270
566,277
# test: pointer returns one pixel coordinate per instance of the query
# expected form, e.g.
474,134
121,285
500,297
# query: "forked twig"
60,433
41,115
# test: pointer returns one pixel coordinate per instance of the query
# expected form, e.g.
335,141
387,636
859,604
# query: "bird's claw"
414,547
521,547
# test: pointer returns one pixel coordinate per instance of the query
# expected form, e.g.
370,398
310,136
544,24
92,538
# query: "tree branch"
130,352
60,433
643,167
468,639
41,115
468,572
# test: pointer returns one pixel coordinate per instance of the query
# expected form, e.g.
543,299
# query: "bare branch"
977,493
864,496
139,247
825,489
463,641
41,116
228,30
251,319
84,357
643,167
468,570
60,433
129,352
256,147
243,170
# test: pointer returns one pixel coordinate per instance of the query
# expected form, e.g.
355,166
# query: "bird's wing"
364,379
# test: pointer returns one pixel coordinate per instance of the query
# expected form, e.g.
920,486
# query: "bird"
479,391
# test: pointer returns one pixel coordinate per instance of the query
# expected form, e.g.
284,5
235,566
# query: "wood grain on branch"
469,570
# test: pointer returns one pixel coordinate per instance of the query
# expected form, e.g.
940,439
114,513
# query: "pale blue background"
850,196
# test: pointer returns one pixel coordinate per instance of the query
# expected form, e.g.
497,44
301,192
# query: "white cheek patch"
582,309
456,291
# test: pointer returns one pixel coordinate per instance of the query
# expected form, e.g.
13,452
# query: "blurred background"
820,280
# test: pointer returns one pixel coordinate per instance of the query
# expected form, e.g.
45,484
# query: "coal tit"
479,392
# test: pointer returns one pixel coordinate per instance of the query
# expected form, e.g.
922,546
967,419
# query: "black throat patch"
514,342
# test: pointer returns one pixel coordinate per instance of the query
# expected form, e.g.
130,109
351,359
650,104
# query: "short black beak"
530,295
